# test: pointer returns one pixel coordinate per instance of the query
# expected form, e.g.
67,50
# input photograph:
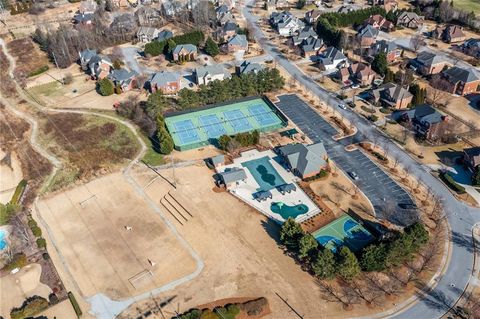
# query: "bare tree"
436,90
388,286
416,42
361,289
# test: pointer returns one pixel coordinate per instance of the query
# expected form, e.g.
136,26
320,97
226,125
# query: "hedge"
41,243
38,71
30,307
379,156
447,179
321,174
75,304
17,195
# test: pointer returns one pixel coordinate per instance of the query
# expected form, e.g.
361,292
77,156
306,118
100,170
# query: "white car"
342,106
355,86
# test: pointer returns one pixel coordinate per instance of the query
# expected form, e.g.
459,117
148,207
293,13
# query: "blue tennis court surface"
237,120
203,126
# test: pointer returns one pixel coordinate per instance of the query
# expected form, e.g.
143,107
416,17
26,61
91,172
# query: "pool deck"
244,190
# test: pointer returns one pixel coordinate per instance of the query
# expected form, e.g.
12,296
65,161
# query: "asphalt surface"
451,284
383,192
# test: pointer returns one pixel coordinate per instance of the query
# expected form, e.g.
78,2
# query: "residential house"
390,5
248,67
428,63
164,35
147,34
225,18
348,8
367,36
304,160
409,20
311,47
185,52
286,23
226,32
389,48
331,59
360,73
123,79
217,161
237,43
97,65
303,34
170,8
222,9
148,16
232,177
427,122
120,3
281,4
87,6
471,47
471,158
209,73
165,82
460,81
312,16
378,22
125,24
450,34
391,95
83,19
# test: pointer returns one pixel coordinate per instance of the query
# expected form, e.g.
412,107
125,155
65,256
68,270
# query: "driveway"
450,286
384,193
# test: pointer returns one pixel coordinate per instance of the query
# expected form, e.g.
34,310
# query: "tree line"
378,256
231,143
155,47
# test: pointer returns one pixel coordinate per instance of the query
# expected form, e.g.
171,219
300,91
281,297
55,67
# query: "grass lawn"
468,5
151,157
48,89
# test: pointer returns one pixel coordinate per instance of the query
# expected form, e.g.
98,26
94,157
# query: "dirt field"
61,310
102,255
240,249
10,174
28,56
18,287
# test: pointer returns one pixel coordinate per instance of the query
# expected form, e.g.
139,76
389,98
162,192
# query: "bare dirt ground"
102,255
19,286
10,175
28,56
63,309
240,250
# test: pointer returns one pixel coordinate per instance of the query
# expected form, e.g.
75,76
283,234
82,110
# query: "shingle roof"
311,44
212,70
385,46
425,114
246,67
188,47
121,75
428,58
240,40
87,54
332,54
472,43
147,31
163,78
368,32
164,35
305,159
233,175
456,74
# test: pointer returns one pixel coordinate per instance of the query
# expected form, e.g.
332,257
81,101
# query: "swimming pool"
287,211
3,241
264,173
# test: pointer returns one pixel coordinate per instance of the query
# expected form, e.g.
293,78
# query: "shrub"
17,195
37,232
38,71
211,47
385,110
373,118
323,173
30,307
19,260
105,87
223,142
447,179
41,243
228,312
6,212
379,156
75,304
254,307
368,109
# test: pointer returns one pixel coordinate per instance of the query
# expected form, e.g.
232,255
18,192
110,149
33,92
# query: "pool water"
264,173
3,241
287,211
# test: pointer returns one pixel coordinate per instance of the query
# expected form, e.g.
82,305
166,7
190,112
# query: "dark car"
407,206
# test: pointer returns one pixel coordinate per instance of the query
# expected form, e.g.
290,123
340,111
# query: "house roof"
233,175
333,54
362,69
313,14
311,44
408,16
473,153
368,32
246,67
122,75
83,17
164,35
428,59
425,114
456,74
376,18
211,70
230,26
87,54
222,9
147,31
384,46
472,43
188,47
217,159
164,78
240,40
454,31
349,8
305,159
391,93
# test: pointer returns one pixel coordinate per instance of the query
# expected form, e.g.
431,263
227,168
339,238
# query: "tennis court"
343,231
205,125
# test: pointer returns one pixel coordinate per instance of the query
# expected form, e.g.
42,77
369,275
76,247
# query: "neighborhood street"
461,217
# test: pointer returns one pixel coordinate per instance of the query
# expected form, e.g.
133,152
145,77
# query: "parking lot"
384,193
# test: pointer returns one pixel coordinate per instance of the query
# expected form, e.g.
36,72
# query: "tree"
418,93
166,141
301,4
223,142
155,104
211,47
373,257
307,246
171,45
291,233
324,266
389,76
416,42
347,264
105,87
380,64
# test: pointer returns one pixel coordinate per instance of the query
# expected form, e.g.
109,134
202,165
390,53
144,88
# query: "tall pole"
173,171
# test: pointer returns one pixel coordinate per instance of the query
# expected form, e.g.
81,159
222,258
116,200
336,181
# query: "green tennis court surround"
204,126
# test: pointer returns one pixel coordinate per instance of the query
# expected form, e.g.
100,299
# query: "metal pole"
173,170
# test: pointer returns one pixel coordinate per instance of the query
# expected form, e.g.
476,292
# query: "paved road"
384,193
460,216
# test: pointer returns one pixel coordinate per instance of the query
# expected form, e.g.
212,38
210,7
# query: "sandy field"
100,253
10,176
23,284
63,309
240,249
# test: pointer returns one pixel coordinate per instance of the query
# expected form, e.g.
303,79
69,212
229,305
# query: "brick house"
97,65
361,73
124,79
380,23
185,52
237,43
471,158
427,63
367,36
388,48
425,121
165,82
409,20
459,81
391,95
450,34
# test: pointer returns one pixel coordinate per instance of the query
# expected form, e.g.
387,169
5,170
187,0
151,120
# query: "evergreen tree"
291,233
223,142
347,264
211,47
418,234
301,4
324,266
166,141
389,76
373,258
307,246
155,104
105,87
171,45
380,64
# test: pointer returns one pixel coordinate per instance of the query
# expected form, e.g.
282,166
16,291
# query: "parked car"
355,86
342,106
407,206
353,175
